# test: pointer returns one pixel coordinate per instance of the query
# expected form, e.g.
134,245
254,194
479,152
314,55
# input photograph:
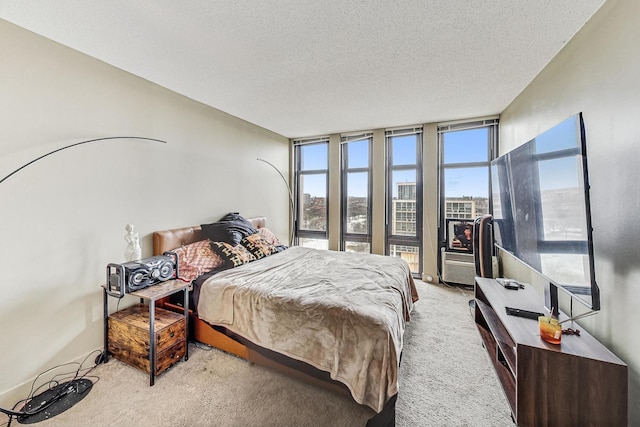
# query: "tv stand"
577,383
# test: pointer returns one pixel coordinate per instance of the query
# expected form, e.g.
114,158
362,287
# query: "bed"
331,318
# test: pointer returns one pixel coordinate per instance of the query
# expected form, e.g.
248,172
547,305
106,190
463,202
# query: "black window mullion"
463,210
399,242
345,172
299,176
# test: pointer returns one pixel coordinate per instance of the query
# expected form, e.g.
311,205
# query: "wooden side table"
161,327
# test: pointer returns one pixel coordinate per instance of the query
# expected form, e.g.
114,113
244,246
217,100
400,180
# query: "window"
311,190
356,193
404,191
465,157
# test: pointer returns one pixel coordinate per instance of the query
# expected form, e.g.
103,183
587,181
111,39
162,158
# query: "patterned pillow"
258,245
232,256
268,234
196,259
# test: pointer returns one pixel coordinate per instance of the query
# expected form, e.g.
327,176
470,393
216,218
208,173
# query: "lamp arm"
73,145
291,204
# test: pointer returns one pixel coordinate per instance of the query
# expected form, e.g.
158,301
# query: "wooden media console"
576,383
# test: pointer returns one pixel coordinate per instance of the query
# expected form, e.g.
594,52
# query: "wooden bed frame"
225,340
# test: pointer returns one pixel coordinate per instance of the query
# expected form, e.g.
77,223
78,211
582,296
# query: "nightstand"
149,338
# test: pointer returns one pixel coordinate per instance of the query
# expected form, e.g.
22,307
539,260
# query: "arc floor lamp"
291,204
60,396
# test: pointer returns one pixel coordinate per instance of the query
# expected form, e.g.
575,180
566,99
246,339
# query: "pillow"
258,245
196,259
231,228
219,232
232,255
268,234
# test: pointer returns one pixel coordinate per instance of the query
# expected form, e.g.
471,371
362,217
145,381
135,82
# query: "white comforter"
343,313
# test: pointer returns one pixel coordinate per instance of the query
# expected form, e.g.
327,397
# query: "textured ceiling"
307,68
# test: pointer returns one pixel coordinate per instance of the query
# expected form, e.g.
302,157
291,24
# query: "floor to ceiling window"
466,150
356,192
311,189
404,201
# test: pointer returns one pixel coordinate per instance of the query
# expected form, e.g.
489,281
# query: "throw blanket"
343,313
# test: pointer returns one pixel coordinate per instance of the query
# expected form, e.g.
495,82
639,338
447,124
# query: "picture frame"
457,239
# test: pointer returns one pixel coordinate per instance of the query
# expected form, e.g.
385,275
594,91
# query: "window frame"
390,168
299,174
492,126
346,236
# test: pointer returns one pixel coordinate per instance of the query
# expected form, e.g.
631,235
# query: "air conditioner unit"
461,268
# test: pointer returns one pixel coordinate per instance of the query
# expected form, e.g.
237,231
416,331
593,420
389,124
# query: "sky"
466,146
458,147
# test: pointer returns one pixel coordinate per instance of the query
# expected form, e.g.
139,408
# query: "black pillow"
231,228
219,232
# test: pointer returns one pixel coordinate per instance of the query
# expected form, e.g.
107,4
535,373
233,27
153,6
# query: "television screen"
541,214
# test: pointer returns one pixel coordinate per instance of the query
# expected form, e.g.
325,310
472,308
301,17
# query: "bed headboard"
166,240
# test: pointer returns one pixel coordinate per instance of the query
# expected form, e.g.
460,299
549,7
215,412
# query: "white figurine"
133,251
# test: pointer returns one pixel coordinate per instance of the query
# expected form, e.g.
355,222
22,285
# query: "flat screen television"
541,211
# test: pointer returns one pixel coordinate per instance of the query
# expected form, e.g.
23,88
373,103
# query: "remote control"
510,284
523,313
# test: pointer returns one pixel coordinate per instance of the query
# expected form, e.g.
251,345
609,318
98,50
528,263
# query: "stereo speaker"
135,275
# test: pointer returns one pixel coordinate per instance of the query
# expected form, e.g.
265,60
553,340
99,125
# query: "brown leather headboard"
167,240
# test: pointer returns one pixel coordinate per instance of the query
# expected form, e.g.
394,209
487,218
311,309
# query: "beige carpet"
445,380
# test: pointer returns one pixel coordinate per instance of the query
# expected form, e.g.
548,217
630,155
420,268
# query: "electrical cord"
61,381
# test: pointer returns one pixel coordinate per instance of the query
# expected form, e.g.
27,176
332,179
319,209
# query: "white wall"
62,219
598,74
